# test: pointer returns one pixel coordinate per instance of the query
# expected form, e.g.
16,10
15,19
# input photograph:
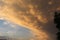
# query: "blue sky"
13,30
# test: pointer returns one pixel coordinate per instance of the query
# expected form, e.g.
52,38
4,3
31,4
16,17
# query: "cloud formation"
31,14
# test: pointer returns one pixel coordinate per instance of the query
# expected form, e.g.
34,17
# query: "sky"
12,30
36,15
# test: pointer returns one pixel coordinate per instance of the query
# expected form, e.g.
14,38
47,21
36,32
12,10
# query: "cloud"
31,15
1,18
2,3
13,26
0,33
11,33
5,23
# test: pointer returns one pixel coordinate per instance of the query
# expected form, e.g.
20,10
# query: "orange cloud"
28,20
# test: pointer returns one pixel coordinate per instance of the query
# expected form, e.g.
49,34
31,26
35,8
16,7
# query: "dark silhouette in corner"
57,22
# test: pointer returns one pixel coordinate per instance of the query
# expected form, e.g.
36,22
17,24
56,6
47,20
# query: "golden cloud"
27,16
